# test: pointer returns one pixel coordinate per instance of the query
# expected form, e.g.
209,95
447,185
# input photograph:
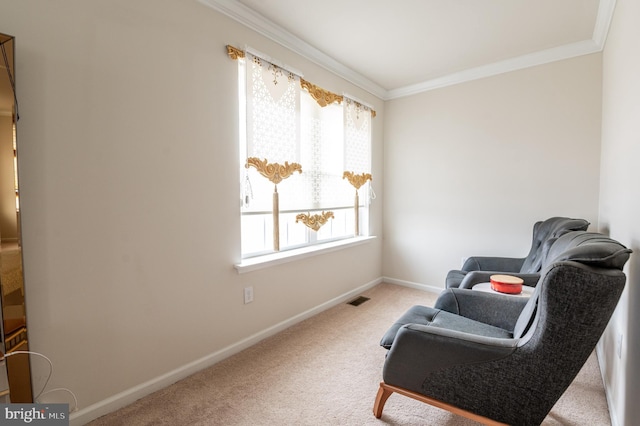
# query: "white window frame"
311,245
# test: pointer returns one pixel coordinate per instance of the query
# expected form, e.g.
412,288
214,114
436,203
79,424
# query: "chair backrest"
589,248
586,248
575,304
542,232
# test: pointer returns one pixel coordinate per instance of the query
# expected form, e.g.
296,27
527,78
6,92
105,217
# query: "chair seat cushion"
437,318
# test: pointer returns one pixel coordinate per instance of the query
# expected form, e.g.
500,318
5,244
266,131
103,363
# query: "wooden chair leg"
385,391
381,398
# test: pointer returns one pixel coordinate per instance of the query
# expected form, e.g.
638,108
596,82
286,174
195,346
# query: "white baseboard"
424,287
607,392
128,396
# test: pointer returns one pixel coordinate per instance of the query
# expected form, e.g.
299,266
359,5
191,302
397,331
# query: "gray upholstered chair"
505,360
478,269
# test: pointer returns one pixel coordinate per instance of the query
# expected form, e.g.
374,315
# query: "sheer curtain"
357,136
272,126
281,121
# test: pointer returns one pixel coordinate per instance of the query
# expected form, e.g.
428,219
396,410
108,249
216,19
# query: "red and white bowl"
506,284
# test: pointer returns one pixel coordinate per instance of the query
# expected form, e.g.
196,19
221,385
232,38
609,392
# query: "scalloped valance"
321,96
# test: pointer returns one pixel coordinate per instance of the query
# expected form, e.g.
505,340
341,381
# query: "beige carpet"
326,371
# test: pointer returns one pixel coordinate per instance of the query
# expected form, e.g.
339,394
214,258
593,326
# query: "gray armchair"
478,269
501,360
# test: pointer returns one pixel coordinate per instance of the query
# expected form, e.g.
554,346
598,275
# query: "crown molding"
525,61
269,29
603,21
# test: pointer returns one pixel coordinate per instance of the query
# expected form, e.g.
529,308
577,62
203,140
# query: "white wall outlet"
248,295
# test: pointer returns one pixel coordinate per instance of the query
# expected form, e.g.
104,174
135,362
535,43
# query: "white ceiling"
394,49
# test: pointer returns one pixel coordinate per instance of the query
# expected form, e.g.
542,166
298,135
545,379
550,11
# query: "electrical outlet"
248,295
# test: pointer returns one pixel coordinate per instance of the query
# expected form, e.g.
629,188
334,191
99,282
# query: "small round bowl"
506,284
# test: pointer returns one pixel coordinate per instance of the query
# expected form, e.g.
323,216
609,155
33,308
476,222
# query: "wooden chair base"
385,391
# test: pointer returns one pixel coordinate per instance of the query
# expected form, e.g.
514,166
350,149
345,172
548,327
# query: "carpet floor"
326,371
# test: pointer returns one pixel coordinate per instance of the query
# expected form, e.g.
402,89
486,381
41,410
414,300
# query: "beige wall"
470,168
130,195
620,206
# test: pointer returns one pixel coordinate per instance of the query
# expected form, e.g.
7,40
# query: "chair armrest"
419,350
493,263
494,309
476,277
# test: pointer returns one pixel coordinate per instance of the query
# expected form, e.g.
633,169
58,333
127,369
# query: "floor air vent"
359,301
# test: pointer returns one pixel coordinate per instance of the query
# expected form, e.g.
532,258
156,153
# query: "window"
296,143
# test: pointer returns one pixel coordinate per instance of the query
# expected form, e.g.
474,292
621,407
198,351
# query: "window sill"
260,262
